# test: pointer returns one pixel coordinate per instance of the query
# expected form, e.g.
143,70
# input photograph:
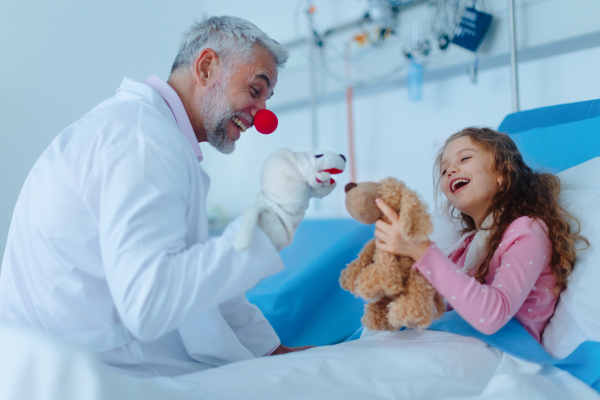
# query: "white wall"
395,137
59,59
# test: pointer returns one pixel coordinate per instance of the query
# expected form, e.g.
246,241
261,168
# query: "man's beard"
216,112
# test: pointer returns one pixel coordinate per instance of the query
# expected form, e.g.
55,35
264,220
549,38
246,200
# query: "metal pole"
350,111
514,77
313,88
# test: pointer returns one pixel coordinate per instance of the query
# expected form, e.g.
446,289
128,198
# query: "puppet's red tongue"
265,121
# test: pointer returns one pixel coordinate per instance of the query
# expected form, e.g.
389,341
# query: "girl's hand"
388,236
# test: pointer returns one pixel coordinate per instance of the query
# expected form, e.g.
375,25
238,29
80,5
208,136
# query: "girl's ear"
415,222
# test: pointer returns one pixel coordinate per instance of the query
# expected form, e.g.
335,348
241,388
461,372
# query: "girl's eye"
444,172
464,159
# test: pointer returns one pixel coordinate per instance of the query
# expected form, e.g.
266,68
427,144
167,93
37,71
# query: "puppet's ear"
415,222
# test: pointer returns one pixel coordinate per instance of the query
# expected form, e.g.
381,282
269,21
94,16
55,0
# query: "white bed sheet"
389,365
397,365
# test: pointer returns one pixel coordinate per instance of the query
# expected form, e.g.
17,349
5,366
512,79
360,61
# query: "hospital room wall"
396,137
59,59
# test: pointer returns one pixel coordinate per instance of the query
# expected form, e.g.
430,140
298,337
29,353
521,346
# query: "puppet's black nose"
350,186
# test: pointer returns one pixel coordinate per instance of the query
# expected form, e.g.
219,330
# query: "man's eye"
255,91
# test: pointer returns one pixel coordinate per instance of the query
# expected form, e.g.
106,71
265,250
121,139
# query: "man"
108,246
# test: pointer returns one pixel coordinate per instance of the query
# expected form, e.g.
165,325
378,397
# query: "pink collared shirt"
170,97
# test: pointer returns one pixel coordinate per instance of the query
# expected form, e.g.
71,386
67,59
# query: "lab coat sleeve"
139,191
250,326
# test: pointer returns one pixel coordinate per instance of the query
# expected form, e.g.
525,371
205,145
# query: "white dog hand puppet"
288,181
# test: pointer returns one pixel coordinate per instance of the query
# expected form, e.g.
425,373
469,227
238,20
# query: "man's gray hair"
232,38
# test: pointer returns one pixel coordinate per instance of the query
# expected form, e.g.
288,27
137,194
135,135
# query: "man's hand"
284,349
288,181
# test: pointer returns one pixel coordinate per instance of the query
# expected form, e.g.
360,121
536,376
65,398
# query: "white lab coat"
108,247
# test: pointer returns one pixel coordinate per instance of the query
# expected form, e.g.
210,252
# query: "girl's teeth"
456,182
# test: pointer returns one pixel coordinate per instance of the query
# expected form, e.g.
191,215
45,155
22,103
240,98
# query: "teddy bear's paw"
348,280
405,313
375,317
379,279
368,290
349,275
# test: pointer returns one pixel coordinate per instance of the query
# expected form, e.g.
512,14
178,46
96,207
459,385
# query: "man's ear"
206,67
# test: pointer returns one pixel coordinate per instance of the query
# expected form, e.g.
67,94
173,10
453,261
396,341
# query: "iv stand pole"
514,77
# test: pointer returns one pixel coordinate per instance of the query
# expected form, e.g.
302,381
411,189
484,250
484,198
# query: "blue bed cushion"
556,138
550,116
304,303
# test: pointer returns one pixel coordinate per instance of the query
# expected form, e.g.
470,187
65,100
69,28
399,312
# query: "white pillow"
577,315
445,233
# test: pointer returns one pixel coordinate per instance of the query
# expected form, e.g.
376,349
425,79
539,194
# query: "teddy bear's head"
360,201
414,219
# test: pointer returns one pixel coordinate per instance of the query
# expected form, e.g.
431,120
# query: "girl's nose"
451,170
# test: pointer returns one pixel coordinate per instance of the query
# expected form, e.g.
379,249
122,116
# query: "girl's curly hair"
523,193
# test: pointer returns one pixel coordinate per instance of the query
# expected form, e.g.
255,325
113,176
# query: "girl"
517,250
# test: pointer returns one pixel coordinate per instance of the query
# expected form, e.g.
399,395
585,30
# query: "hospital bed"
305,305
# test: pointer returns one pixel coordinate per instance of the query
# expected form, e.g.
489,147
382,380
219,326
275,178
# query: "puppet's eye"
319,155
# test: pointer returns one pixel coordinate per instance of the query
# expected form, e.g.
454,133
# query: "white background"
59,59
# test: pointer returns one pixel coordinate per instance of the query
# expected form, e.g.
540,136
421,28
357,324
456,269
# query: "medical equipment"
472,28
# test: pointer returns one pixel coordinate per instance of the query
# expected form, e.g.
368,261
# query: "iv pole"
514,77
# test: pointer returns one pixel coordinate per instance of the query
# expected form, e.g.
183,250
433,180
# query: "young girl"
517,250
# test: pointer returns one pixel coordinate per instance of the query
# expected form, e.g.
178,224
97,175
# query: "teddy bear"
397,294
288,181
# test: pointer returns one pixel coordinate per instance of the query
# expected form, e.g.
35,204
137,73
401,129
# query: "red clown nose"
265,121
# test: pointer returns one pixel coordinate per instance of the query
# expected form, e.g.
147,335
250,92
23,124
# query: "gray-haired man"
109,247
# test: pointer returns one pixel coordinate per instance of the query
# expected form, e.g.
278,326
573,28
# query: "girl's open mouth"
458,183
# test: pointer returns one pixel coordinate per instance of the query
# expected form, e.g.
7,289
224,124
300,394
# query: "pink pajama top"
519,283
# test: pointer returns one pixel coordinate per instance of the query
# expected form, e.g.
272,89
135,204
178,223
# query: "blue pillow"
305,303
556,138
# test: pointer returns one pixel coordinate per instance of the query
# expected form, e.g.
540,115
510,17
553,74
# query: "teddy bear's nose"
350,186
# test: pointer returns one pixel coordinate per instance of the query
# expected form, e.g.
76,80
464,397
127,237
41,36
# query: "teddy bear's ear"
415,222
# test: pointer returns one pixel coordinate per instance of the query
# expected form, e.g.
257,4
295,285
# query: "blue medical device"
473,26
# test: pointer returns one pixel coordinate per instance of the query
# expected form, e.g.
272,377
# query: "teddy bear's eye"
319,155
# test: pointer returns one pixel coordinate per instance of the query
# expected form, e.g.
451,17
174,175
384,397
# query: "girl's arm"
525,251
